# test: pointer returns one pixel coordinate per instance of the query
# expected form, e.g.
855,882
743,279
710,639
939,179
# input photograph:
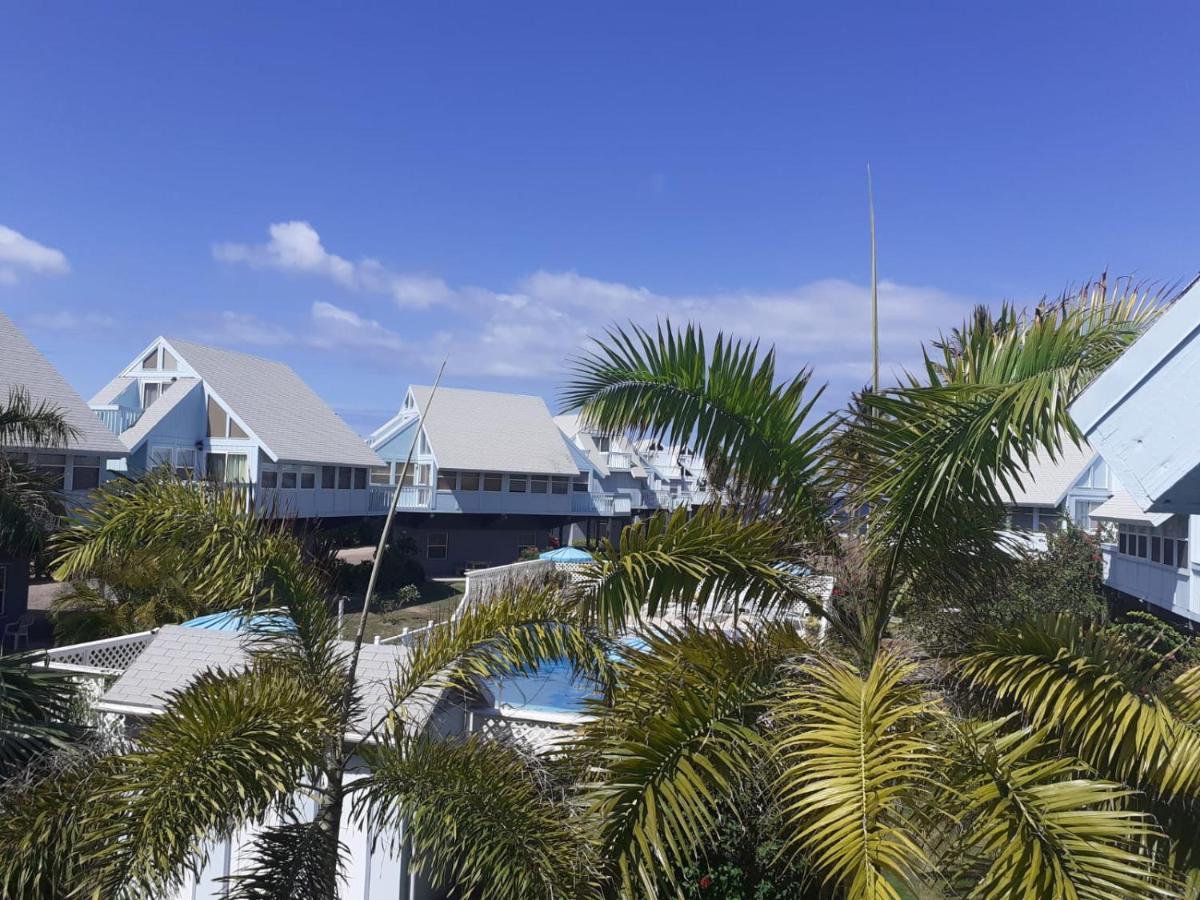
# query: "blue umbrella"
235,620
567,555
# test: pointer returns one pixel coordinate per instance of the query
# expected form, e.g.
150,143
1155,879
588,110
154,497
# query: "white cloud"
64,320
528,330
296,247
18,252
329,327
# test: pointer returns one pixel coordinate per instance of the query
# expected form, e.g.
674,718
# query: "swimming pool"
554,688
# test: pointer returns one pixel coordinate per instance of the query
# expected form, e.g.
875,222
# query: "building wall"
15,574
474,541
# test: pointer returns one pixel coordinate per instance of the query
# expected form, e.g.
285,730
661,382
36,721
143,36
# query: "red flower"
705,883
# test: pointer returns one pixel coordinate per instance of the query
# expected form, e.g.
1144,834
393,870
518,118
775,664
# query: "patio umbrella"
567,555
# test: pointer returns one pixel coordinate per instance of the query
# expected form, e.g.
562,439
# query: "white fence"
485,583
110,656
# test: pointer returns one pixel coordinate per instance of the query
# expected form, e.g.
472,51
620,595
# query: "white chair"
18,631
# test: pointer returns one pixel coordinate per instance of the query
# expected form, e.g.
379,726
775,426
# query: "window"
53,467
169,363
407,476
381,474
1049,520
1082,514
287,478
447,480
537,484
1181,554
424,475
218,421
1141,546
230,468
185,463
85,473
603,443
437,545
150,360
558,484
469,481
1168,553
516,484
345,478
492,481
158,458
423,444
360,479
328,477
579,484
308,479
235,430
1123,543
526,540
268,477
1156,549
151,391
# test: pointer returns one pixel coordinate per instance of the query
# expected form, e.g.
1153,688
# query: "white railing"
410,497
619,459
117,418
600,504
484,583
110,656
537,731
408,635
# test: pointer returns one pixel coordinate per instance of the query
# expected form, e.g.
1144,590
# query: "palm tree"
1051,760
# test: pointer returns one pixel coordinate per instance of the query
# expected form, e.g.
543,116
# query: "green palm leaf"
754,434
482,818
855,766
35,711
1043,826
296,860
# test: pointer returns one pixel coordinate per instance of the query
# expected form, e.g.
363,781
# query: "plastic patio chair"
18,631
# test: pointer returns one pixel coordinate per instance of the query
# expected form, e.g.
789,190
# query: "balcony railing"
118,418
600,504
619,459
410,497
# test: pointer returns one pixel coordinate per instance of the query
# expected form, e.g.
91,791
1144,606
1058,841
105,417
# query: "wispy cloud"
527,330
21,254
64,320
296,247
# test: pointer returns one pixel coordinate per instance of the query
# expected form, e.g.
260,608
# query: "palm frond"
755,435
480,818
1092,689
26,423
1043,826
226,750
694,562
855,765
948,451
30,508
676,745
294,860
35,711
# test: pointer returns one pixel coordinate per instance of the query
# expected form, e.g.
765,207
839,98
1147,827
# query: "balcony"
597,504
117,418
619,460
410,498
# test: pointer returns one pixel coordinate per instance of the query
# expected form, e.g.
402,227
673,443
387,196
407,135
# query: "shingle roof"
175,392
1049,480
284,412
23,365
1121,507
494,432
178,654
109,392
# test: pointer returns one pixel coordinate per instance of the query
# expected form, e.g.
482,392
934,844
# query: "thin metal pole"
874,290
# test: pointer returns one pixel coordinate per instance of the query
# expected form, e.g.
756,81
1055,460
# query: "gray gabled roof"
1048,480
284,412
107,394
171,397
179,653
23,365
493,432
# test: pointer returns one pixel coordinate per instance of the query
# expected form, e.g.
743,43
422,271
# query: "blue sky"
358,191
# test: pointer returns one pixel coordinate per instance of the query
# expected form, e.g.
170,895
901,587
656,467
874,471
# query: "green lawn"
438,602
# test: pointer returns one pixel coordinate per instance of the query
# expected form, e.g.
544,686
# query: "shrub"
397,571
397,599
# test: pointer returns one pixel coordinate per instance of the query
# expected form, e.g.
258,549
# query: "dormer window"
169,363
603,443
150,360
151,391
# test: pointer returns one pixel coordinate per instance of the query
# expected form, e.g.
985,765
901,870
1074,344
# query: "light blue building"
491,476
241,419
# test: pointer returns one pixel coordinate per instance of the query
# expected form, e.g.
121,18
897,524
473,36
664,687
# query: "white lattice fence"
108,655
537,734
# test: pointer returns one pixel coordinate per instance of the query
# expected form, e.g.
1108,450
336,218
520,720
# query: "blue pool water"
554,688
